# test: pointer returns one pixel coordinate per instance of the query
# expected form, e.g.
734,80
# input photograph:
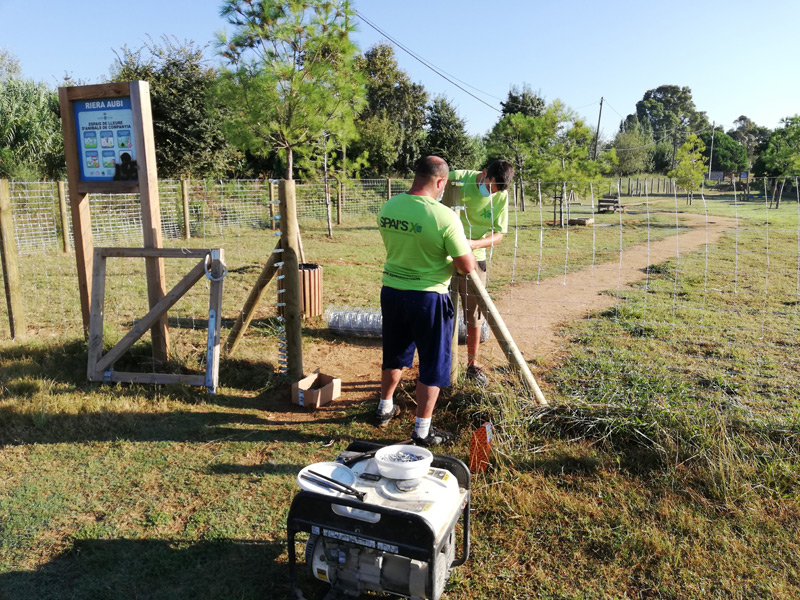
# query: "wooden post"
63,219
388,189
248,310
151,213
504,338
8,253
95,351
291,281
79,205
339,202
187,228
454,365
452,195
272,223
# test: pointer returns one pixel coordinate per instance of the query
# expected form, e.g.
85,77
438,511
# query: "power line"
427,64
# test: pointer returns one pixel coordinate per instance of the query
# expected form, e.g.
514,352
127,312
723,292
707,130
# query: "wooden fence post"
63,221
187,229
339,202
291,281
8,253
388,189
454,297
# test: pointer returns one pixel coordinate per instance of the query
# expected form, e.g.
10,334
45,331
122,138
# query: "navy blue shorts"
421,321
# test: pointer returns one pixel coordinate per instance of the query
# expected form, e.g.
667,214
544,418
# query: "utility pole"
711,154
597,133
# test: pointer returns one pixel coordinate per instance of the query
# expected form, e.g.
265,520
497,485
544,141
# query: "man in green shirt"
485,218
424,243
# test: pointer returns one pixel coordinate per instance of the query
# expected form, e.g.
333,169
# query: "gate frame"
100,366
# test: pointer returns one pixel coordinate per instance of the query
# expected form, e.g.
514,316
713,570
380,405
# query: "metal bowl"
403,461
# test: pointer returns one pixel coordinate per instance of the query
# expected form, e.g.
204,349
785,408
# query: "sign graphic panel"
105,139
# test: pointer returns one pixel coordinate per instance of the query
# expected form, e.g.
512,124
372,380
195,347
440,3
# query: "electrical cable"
427,64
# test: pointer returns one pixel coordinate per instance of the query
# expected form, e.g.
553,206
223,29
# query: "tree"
447,135
728,156
524,101
31,143
690,165
569,149
391,126
186,126
9,66
517,138
779,157
749,135
291,74
553,146
634,148
671,113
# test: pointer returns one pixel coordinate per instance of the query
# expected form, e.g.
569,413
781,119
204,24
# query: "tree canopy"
290,75
391,125
690,164
780,155
523,100
186,127
749,135
727,155
447,135
634,147
671,113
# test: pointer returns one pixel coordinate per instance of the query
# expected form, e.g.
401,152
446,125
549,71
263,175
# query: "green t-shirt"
420,235
483,216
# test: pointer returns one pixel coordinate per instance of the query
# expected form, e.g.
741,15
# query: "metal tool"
332,484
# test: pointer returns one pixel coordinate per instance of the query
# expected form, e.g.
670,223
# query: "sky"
737,57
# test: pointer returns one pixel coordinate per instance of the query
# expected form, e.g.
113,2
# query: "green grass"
666,466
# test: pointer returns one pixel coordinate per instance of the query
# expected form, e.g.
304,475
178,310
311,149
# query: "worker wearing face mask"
485,218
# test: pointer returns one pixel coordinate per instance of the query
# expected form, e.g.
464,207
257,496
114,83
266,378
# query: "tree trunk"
774,198
327,192
779,197
289,164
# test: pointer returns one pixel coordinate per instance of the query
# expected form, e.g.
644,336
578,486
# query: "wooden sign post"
110,149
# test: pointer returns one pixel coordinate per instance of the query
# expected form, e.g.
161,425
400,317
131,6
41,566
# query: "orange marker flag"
480,445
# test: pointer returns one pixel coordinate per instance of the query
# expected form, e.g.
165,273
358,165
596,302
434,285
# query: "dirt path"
533,311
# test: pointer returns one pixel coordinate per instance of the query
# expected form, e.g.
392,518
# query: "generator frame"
398,532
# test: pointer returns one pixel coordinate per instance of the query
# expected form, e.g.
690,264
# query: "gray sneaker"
476,375
382,419
435,437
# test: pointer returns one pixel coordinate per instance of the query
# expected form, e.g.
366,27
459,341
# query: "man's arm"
465,264
489,240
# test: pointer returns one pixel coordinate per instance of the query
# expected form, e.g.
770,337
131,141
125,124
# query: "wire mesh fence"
709,286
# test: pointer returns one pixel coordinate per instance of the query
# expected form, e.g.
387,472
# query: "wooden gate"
101,367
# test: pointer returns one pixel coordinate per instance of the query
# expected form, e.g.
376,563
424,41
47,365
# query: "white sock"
385,405
422,427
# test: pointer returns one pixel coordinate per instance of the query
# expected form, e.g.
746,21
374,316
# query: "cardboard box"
315,390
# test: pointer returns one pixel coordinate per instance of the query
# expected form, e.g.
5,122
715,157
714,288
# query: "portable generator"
382,519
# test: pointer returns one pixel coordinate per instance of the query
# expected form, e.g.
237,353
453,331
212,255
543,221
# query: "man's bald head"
431,167
430,177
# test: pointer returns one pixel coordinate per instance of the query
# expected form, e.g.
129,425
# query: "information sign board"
105,138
